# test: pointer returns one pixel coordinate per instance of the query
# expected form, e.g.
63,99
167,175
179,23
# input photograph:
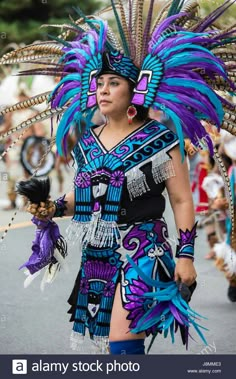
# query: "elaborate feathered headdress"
176,61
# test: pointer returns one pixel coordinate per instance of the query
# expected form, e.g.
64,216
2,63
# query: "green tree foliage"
20,20
228,17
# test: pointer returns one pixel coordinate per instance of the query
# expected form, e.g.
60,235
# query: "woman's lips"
102,102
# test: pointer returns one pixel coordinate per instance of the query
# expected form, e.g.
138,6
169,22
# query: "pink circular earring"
131,113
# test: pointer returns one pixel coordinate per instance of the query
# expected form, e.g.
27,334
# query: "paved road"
34,322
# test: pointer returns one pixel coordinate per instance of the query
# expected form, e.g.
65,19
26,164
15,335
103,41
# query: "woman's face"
113,95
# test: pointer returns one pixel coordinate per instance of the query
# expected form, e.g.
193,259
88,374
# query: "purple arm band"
60,205
185,249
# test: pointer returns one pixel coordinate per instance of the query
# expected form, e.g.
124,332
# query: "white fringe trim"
97,233
98,345
162,167
136,183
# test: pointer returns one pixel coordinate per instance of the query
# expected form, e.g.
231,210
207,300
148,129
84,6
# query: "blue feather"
201,88
177,122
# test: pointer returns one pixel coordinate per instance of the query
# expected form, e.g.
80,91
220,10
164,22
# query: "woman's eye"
114,83
99,84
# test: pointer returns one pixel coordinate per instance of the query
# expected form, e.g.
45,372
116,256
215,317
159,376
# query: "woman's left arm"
180,195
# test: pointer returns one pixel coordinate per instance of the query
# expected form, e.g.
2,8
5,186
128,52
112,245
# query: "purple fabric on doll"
46,237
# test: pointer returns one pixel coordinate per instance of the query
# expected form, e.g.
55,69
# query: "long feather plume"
32,49
213,16
229,123
30,121
123,20
120,28
139,33
42,71
162,14
191,6
131,33
133,10
32,101
228,192
28,58
146,34
175,7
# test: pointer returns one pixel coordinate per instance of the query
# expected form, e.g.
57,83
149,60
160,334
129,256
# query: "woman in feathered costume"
129,285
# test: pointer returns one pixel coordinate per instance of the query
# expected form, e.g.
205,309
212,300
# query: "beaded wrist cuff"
185,249
60,205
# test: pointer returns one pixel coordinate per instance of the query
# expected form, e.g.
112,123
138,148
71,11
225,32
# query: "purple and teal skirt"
143,264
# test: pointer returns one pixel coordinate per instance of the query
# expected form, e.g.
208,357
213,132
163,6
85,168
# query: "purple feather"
177,314
187,98
213,16
191,126
164,26
156,312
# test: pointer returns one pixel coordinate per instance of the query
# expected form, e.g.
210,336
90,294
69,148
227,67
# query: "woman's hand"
44,210
185,271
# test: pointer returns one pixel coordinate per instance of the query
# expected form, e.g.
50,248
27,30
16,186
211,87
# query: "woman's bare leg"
119,329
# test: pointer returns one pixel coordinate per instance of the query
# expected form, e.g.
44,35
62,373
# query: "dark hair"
142,112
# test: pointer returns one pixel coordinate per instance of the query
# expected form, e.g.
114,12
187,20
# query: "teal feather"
68,78
177,122
175,7
202,89
184,58
173,291
183,46
83,52
172,332
167,322
101,31
64,127
186,311
166,333
182,301
199,332
91,43
70,94
143,324
60,40
79,11
175,99
146,278
225,41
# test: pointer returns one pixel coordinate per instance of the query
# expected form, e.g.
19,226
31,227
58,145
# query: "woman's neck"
122,124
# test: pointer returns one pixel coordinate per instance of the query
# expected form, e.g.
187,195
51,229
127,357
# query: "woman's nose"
105,88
